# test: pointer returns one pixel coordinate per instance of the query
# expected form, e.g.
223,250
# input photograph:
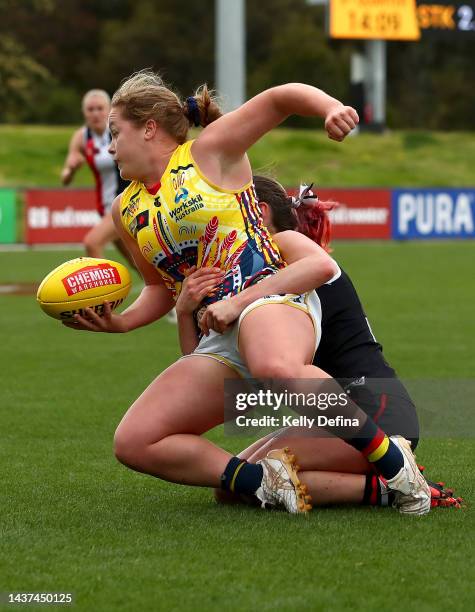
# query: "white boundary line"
21,246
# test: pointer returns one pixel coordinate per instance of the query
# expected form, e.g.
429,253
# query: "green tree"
52,51
175,37
22,82
430,83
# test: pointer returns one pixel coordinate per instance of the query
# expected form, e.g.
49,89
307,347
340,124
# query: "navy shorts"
388,403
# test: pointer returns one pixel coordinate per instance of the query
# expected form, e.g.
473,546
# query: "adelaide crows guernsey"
188,221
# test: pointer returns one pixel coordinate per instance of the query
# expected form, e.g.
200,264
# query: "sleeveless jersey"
106,173
188,220
348,348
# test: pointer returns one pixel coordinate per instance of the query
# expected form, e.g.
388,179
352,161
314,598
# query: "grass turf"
74,520
33,156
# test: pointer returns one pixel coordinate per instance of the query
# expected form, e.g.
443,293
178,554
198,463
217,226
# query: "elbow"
332,269
284,98
326,268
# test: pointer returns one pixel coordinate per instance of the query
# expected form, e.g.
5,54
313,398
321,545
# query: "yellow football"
81,283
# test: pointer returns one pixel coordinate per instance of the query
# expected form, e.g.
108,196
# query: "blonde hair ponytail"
145,96
202,108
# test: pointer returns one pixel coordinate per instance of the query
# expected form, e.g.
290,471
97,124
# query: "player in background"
333,471
90,144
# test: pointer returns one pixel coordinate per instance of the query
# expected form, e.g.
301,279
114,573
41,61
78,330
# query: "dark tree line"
51,51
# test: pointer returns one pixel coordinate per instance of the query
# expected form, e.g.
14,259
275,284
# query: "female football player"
90,144
192,203
332,471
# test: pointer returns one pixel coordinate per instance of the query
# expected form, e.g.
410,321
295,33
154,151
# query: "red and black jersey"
106,173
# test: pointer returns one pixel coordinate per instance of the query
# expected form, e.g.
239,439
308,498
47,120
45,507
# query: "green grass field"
74,520
33,156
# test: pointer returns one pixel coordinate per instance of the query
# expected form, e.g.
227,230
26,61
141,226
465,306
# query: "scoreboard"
374,19
447,18
399,19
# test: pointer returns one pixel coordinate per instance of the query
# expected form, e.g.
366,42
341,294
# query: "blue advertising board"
433,213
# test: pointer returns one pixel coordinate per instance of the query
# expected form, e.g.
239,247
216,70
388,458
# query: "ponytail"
202,108
305,213
144,96
312,216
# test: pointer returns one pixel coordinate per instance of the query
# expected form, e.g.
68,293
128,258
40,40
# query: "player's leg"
328,469
160,435
315,449
324,488
161,432
389,404
333,471
319,453
99,236
386,401
336,488
276,342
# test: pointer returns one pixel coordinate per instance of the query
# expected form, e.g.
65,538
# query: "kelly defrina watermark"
252,405
291,400
413,408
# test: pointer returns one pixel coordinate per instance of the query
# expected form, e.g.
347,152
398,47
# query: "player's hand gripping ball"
85,282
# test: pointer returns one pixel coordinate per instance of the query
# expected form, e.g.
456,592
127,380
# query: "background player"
90,144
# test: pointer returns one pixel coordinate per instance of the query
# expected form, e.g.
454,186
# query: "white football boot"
280,484
410,486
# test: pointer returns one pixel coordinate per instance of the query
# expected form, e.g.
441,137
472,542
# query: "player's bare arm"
154,301
220,149
309,267
75,158
198,284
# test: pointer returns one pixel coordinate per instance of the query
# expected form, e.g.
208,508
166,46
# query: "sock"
241,476
376,493
366,437
378,449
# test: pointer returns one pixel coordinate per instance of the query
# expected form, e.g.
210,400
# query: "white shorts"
224,347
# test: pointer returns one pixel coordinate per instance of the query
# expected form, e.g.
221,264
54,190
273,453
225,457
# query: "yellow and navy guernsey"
186,220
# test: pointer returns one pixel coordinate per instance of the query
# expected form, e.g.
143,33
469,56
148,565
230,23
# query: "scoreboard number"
369,19
399,19
466,22
446,18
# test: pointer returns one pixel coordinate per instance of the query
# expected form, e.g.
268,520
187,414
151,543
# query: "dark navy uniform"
349,352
